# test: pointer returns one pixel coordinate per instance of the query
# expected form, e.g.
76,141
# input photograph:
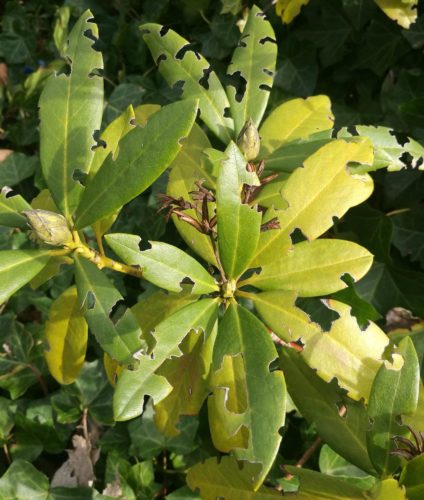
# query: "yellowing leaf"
188,376
289,9
112,368
314,268
404,13
317,193
347,353
229,479
66,332
295,119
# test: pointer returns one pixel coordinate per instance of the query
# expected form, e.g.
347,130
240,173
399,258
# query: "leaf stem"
246,295
102,261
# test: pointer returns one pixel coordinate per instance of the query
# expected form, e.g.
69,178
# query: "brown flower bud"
49,227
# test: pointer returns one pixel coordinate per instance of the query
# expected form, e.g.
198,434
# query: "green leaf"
66,334
389,488
97,296
403,12
412,478
315,486
22,481
162,264
18,267
408,234
389,151
253,64
133,385
239,224
11,208
293,120
270,194
110,139
17,167
319,403
314,268
70,112
179,63
309,193
189,377
278,310
109,189
291,155
148,442
191,166
227,478
151,310
393,394
247,407
334,464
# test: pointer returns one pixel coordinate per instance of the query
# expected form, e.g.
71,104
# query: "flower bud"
248,140
49,227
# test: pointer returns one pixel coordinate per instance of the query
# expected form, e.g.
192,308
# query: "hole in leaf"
117,310
88,33
96,72
317,311
227,112
66,68
266,39
260,14
164,30
144,244
188,283
263,86
90,300
162,57
79,176
239,83
402,139
241,42
297,236
268,71
178,89
183,51
204,81
352,130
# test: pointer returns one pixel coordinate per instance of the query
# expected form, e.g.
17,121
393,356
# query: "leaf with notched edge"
144,154
97,296
133,385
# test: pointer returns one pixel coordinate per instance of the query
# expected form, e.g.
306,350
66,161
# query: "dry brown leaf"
4,153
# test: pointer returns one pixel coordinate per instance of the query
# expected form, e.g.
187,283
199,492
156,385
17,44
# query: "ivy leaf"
191,166
18,267
314,268
109,189
11,208
252,66
162,264
22,480
308,192
67,126
66,333
238,223
97,296
319,402
184,68
247,407
133,385
393,393
388,286
17,167
403,12
408,234
295,119
228,478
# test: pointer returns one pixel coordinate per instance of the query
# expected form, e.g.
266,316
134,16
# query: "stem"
39,377
243,283
218,260
306,456
6,452
102,261
84,424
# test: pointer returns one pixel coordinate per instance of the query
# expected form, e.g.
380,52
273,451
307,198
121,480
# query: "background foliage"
371,68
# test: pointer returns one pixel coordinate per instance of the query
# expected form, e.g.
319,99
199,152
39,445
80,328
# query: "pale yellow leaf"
403,13
289,9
